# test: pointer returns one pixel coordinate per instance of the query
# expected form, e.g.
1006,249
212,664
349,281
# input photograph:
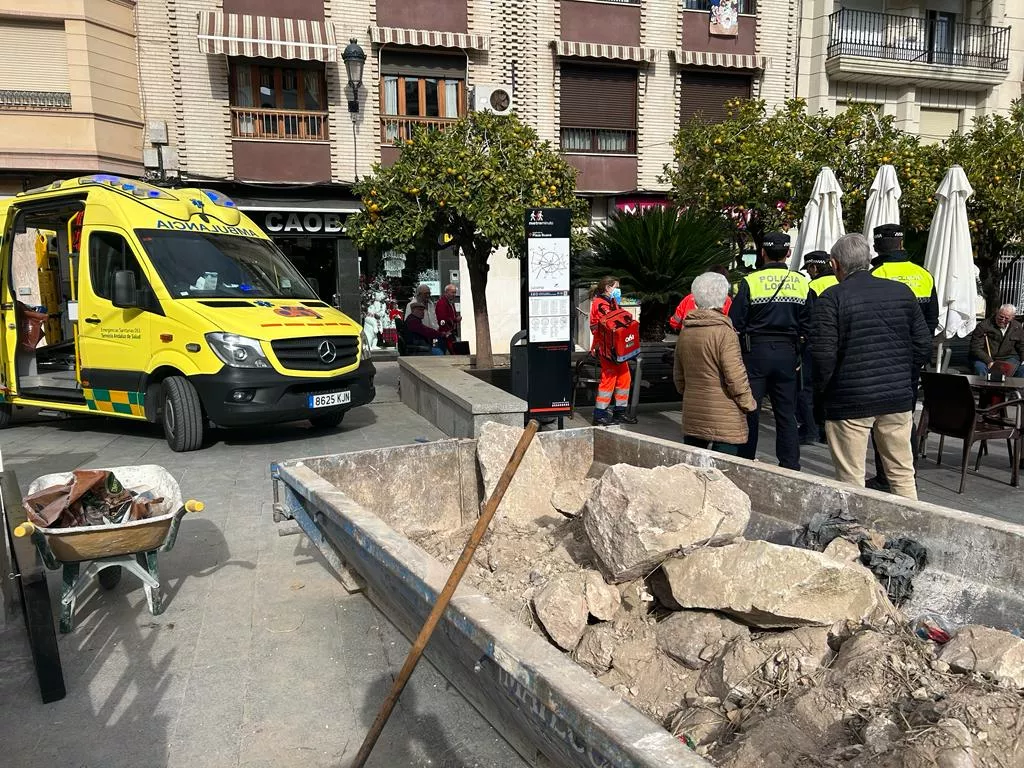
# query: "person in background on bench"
998,340
419,335
448,318
689,303
429,307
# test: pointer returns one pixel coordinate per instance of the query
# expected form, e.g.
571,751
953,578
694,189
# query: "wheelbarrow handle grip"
172,535
42,546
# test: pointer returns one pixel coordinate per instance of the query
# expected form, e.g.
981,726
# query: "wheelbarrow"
105,551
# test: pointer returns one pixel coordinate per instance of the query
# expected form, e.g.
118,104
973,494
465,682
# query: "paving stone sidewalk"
261,659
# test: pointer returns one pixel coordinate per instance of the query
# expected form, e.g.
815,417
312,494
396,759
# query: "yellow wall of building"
103,128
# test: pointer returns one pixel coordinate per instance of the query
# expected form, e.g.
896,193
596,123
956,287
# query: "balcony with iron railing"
397,129
42,100
278,124
934,52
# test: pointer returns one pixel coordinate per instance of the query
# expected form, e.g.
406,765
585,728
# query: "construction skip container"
357,507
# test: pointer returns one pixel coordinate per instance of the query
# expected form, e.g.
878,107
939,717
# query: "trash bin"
519,363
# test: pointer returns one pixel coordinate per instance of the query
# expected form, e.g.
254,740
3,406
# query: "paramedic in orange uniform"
615,377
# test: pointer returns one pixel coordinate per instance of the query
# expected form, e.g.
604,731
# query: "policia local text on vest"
771,312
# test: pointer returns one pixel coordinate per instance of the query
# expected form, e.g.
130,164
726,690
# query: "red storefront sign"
640,204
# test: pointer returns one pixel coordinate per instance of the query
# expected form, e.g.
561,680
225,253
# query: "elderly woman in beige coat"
709,372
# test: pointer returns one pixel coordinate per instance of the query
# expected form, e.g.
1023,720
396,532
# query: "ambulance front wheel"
5,415
182,415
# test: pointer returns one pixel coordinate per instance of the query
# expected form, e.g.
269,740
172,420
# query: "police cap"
888,238
776,241
817,258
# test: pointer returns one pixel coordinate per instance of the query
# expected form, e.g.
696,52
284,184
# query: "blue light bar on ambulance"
218,199
131,186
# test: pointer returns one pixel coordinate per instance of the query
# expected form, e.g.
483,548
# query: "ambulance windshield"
203,265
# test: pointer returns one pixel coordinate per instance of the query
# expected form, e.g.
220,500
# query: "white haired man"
429,307
868,338
998,342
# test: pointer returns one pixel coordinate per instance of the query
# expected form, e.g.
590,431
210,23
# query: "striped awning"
720,60
266,37
570,49
428,38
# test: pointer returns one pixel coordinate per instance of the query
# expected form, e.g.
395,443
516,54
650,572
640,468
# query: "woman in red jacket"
615,377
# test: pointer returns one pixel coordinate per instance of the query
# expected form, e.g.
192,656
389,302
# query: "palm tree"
655,255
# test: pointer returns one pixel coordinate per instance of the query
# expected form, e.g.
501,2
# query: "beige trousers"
848,442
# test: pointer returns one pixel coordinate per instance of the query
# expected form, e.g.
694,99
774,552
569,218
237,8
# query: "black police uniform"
771,312
812,428
893,263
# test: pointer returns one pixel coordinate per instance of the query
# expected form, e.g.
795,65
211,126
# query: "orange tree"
471,183
992,156
760,165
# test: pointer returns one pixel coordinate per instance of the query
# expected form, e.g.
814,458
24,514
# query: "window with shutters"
33,65
598,109
270,101
420,90
704,94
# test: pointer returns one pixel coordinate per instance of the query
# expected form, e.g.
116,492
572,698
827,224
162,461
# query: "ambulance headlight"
364,345
237,351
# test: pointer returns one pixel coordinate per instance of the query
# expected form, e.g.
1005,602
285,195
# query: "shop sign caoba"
279,222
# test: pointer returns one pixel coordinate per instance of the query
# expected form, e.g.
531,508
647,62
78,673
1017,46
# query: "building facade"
932,64
256,103
69,90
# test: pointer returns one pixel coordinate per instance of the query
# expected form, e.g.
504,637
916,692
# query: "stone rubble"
771,586
635,517
756,655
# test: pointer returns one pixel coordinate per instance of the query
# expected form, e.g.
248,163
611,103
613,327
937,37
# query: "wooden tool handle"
446,594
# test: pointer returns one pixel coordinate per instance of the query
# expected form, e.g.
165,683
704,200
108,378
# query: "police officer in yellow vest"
893,263
818,265
771,312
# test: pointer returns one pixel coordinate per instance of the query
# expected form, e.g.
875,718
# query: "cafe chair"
951,410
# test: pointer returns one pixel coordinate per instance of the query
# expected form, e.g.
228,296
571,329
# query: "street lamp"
354,59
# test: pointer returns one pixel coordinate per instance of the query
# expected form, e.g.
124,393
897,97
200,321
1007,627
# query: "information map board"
548,310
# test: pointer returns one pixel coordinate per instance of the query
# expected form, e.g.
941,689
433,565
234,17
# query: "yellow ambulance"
126,299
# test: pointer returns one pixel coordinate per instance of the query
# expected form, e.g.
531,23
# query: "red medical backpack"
617,336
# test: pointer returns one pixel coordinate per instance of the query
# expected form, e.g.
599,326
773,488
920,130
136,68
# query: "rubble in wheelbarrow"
756,655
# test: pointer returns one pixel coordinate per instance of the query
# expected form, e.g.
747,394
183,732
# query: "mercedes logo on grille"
327,351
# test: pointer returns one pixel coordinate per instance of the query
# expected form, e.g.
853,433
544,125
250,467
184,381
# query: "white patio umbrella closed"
822,224
949,256
883,202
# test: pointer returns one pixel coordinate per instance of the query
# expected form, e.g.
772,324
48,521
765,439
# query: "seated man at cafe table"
999,339
420,335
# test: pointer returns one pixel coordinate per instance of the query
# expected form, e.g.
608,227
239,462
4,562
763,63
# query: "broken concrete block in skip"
562,610
635,517
990,652
772,586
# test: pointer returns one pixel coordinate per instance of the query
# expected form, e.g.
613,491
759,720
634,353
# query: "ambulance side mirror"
124,289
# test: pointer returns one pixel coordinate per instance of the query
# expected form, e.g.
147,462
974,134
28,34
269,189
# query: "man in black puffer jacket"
868,336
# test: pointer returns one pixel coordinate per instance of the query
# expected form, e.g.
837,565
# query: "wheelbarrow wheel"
110,577
182,415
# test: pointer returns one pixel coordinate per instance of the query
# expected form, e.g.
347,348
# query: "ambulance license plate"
327,399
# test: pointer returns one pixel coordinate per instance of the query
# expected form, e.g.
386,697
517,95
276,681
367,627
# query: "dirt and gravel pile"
756,655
